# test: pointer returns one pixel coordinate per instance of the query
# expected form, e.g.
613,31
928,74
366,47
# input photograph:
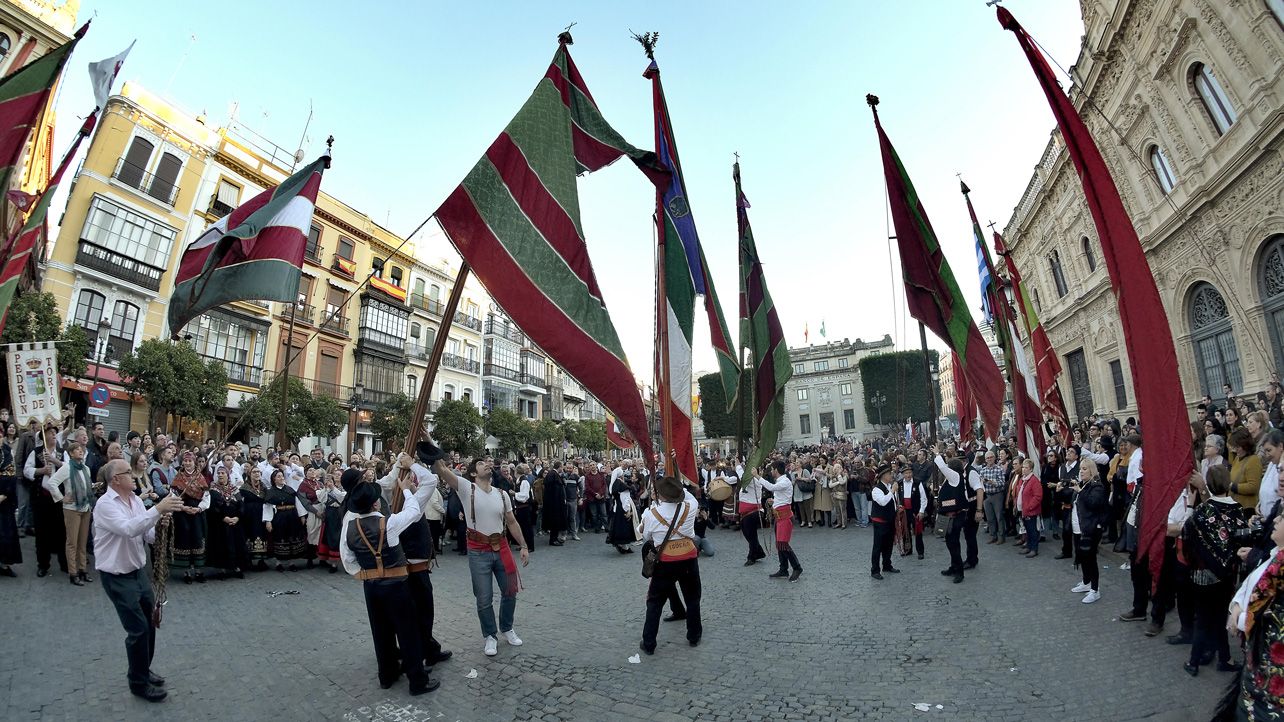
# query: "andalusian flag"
617,435
931,291
516,220
253,253
762,334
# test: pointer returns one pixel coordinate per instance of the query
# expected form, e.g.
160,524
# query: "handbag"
651,554
807,487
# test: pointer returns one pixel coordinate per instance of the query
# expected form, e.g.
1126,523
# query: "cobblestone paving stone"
1011,643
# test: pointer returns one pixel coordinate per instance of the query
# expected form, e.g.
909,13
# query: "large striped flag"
964,404
762,334
255,252
1047,367
516,220
686,275
1161,407
931,291
617,435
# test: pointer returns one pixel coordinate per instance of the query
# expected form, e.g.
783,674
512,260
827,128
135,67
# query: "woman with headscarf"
190,524
10,549
226,547
622,532
254,517
332,496
289,538
1209,548
310,491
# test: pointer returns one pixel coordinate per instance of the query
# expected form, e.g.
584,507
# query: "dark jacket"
1093,507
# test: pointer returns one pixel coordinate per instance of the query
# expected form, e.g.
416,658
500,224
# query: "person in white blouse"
748,506
782,497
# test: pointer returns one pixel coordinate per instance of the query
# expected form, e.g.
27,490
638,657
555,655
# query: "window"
821,365
802,394
313,249
468,395
346,248
435,293
227,197
448,392
452,346
419,287
1080,386
1270,284
381,323
416,331
849,419
237,344
1088,254
1121,391
396,276
334,298
129,234
501,354
133,167
798,368
1163,170
4,45
804,424
1213,97
164,182
1038,304
472,311
89,313
305,295
1058,275
842,363
470,352
376,265
124,323
380,377
845,389
412,385
1215,350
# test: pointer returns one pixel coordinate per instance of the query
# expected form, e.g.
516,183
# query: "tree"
589,436
306,414
390,421
719,421
174,379
33,317
511,430
549,431
457,427
902,379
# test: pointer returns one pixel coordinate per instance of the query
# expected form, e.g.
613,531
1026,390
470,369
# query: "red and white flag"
102,75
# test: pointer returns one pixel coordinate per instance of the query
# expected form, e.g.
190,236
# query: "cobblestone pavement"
1011,643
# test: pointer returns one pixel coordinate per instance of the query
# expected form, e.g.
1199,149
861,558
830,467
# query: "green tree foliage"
549,432
901,377
719,421
512,431
174,379
306,414
589,436
457,426
390,420
34,317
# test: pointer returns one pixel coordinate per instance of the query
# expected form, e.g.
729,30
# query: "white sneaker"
1125,566
511,637
1082,587
492,646
1091,597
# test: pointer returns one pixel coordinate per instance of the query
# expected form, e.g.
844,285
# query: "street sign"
99,396
93,411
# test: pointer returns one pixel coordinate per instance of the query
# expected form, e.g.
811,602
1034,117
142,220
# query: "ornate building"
826,397
1186,101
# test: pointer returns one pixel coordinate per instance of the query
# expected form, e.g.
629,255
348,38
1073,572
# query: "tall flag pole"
999,314
515,219
964,404
931,291
762,334
1161,406
1046,365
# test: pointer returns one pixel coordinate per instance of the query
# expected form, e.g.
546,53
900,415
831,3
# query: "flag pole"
931,391
281,438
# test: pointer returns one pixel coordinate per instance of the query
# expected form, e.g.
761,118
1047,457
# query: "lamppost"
879,400
935,371
102,347
358,391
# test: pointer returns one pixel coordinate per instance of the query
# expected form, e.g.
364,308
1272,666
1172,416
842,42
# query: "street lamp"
102,346
879,400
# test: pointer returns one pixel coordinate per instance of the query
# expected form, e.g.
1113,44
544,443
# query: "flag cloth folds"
18,251
1025,406
762,334
964,404
103,73
931,291
1047,367
686,275
515,219
618,436
253,253
1161,407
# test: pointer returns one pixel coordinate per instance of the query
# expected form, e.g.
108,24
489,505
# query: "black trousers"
1210,602
1087,560
421,591
132,596
953,531
390,607
51,530
1067,533
884,537
749,528
970,528
667,578
1173,575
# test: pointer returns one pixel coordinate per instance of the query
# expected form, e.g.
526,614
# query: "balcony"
330,390
218,208
508,331
367,336
135,177
376,397
468,321
460,363
344,267
304,313
573,392
101,258
334,323
423,303
419,351
531,382
239,373
502,372
312,252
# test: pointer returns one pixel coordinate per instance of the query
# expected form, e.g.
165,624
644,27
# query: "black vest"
966,482
392,556
416,540
956,494
886,512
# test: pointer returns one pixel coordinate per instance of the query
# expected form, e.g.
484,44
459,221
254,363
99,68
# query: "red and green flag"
253,253
931,291
964,404
762,334
515,219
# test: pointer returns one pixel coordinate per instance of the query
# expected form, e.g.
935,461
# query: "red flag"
964,404
1161,407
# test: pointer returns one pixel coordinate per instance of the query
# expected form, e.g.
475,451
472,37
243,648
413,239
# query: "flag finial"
329,146
962,186
564,37
647,41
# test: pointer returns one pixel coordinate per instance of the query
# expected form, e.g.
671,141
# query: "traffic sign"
99,396
103,413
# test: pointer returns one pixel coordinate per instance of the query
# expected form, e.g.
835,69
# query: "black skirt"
621,528
189,538
10,549
225,547
289,536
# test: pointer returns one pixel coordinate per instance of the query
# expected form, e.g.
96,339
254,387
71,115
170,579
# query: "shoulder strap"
672,524
378,553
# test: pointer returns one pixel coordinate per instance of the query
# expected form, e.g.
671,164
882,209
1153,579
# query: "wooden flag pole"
281,438
931,390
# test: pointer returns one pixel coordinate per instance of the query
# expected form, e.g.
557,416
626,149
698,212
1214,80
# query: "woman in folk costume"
190,524
289,538
333,495
904,517
1257,610
822,502
254,517
10,550
622,532
838,490
226,548
311,491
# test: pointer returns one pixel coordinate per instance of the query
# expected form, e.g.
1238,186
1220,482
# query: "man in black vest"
372,552
954,507
883,515
974,494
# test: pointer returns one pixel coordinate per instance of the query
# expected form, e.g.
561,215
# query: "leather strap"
378,553
389,573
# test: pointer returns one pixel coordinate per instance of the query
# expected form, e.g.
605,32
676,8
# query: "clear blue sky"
414,93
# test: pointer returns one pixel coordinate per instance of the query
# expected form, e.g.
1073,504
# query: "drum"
719,490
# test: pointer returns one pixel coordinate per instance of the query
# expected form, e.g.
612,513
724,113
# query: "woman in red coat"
1030,502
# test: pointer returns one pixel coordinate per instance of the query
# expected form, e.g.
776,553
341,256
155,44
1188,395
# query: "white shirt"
1246,589
423,495
655,529
1180,510
1134,466
122,527
951,476
782,491
1094,457
750,492
491,508
1269,490
523,493
396,524
880,495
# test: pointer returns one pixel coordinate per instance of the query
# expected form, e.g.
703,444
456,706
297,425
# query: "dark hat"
428,453
363,498
882,469
668,488
351,477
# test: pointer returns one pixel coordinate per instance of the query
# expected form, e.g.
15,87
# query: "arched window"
1163,169
1211,94
468,395
124,325
133,167
1088,254
434,293
4,45
1270,283
447,392
1214,341
419,287
165,181
1058,274
88,315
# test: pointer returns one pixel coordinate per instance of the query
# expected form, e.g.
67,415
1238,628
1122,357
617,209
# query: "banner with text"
33,382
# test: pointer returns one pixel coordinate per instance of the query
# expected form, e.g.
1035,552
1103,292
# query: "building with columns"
1185,99
825,397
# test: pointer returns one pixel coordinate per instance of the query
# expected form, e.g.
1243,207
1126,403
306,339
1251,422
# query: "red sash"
784,523
745,508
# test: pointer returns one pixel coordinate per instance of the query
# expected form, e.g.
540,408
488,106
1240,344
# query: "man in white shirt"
782,498
122,525
678,564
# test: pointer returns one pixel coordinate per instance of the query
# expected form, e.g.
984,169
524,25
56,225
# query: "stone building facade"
826,397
